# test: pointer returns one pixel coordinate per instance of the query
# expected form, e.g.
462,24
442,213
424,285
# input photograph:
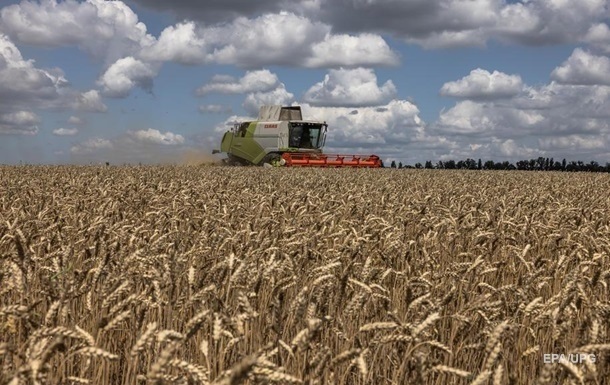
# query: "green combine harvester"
280,137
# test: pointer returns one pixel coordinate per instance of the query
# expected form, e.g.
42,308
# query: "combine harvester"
280,137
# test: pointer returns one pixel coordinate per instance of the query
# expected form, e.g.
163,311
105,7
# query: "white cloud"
279,96
24,86
458,23
19,122
583,68
511,149
552,120
517,20
466,117
262,86
20,80
271,39
90,101
231,121
599,37
283,38
350,87
573,142
125,74
105,29
182,43
347,50
572,109
395,122
75,120
214,108
156,137
253,34
481,84
451,39
91,145
253,81
65,131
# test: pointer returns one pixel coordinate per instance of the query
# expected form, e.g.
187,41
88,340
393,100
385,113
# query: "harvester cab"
280,136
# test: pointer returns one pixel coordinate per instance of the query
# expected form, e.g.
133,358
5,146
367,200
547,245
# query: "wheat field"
214,275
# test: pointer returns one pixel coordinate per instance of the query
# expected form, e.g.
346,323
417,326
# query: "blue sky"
155,81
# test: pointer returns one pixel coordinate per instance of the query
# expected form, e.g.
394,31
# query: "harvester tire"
272,158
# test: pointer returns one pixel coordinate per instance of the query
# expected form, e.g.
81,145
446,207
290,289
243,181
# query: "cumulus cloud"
598,36
548,21
283,38
90,101
583,68
481,84
262,87
218,10
156,137
458,23
396,121
573,142
125,74
467,117
350,87
253,34
65,131
75,120
430,23
20,80
571,110
91,145
19,122
348,50
108,30
279,96
24,87
517,21
552,120
414,18
450,39
511,149
183,43
253,81
230,122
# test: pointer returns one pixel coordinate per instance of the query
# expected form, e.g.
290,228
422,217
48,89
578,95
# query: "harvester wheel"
273,159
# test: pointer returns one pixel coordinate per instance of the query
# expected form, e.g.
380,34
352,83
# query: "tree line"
540,164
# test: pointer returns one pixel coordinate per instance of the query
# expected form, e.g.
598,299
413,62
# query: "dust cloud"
193,157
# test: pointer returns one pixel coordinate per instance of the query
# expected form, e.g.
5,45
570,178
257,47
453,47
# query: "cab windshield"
305,135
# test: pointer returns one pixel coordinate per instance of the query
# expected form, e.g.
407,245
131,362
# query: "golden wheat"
216,275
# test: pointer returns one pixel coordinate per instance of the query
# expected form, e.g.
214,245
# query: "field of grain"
211,275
